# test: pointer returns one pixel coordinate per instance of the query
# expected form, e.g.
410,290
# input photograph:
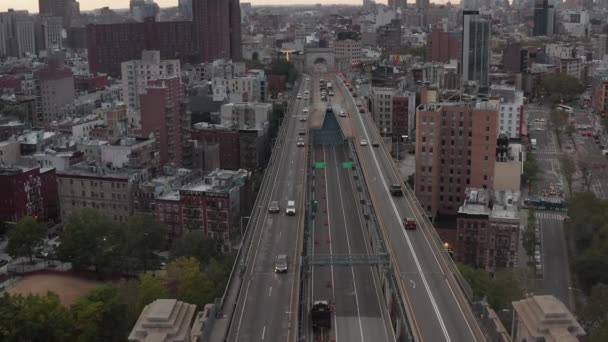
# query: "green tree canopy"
26,238
186,282
195,244
499,291
34,318
91,240
143,236
531,169
562,86
150,289
568,168
530,233
102,315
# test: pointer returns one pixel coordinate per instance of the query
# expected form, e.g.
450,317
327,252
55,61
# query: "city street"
556,274
547,151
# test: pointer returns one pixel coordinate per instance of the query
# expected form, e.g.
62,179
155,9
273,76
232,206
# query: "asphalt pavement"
360,314
556,273
440,309
266,309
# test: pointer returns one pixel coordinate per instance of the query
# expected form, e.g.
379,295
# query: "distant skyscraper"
395,4
475,48
185,8
217,28
67,9
544,17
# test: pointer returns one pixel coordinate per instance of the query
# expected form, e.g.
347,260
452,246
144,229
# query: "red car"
409,223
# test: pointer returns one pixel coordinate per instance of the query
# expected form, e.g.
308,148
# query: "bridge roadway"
267,309
440,309
360,313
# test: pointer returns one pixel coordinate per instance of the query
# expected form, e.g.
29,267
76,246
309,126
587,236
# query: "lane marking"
270,292
371,270
290,127
421,215
352,270
409,243
264,333
412,283
333,287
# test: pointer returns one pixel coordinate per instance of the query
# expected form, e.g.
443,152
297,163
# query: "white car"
342,114
300,142
305,110
302,118
299,96
307,93
363,142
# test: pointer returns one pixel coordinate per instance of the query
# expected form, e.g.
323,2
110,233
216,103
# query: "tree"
196,245
91,240
102,315
150,289
562,87
593,314
584,164
499,291
529,241
26,238
530,174
186,282
478,279
558,120
143,237
568,169
34,318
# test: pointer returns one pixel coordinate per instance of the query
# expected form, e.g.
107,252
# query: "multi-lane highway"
440,310
266,309
360,314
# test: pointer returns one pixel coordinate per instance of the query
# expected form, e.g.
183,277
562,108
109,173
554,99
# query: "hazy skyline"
87,5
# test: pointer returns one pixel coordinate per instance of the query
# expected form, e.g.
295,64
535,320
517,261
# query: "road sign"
347,165
319,165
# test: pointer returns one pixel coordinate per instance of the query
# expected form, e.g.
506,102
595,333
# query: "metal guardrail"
346,260
404,310
243,252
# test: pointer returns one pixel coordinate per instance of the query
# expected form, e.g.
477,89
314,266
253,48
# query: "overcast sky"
85,5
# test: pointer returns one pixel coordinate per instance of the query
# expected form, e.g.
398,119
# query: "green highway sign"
319,165
347,165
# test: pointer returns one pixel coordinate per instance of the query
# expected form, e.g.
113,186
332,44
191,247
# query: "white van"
291,208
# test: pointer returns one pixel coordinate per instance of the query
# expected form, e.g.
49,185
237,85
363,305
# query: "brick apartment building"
109,45
163,114
54,89
213,33
217,29
31,191
488,229
444,45
214,206
211,139
455,149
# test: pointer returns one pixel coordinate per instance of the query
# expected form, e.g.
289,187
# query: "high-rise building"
141,9
397,4
164,116
544,18
422,9
185,8
135,76
54,86
217,29
51,28
455,149
66,9
107,47
17,34
444,45
388,36
510,104
476,37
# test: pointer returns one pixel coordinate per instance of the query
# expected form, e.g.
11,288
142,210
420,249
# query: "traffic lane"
375,324
261,276
322,276
426,319
556,274
369,305
348,291
428,262
434,267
